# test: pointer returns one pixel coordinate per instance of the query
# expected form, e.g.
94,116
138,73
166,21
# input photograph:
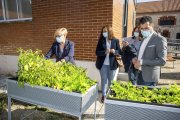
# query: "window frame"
18,13
3,10
165,19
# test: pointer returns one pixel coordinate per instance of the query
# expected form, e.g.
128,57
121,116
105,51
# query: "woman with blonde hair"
62,48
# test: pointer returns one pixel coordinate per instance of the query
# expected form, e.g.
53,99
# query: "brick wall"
83,19
117,23
15,35
131,18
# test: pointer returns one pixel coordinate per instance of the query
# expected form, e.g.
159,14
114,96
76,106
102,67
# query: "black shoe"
102,99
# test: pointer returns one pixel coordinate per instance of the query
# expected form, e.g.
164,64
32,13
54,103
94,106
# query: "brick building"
30,24
165,15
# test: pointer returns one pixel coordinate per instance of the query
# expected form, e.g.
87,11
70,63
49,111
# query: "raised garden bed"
61,101
61,86
124,109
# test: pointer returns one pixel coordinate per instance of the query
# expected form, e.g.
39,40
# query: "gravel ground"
24,111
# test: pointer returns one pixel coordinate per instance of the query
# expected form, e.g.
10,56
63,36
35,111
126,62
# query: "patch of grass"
52,117
41,108
3,102
63,116
47,113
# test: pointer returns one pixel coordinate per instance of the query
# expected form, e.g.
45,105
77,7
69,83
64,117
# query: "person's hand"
125,43
63,60
134,60
112,50
137,64
107,51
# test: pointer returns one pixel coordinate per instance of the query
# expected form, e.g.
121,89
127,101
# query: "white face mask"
105,34
136,34
145,33
60,39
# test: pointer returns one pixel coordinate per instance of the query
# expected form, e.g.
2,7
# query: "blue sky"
147,0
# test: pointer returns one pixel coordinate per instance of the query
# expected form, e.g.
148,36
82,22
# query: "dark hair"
140,35
110,32
145,19
137,27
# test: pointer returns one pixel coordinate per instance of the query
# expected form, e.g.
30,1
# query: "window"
167,20
25,9
11,9
177,35
15,10
166,33
1,12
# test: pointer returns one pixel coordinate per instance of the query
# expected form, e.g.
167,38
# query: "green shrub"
164,95
34,69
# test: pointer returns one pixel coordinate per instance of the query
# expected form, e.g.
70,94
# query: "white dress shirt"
143,46
108,46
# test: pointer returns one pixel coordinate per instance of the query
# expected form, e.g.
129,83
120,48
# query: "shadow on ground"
32,114
24,111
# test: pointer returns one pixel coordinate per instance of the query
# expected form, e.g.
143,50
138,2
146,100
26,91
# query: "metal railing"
173,46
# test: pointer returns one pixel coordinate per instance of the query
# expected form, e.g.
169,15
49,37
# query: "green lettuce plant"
34,69
164,95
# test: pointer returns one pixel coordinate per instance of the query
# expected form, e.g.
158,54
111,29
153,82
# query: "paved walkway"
169,75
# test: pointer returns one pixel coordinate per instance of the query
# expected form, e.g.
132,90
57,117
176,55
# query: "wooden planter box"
129,110
67,102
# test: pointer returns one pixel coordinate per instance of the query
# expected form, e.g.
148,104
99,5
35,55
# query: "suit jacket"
101,55
153,57
67,54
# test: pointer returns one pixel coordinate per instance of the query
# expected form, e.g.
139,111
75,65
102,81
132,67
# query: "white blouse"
108,46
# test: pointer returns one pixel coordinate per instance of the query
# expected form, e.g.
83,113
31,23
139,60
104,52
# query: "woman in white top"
107,49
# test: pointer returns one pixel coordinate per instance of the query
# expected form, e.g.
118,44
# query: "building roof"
158,6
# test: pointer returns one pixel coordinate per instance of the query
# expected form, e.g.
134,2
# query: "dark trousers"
135,75
136,78
142,82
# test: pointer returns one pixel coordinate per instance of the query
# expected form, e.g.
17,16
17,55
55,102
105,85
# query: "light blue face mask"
145,33
105,34
59,39
136,34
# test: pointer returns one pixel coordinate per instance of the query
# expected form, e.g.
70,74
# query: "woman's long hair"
140,35
110,32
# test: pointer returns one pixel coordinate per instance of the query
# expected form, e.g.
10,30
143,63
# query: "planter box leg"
95,109
9,108
79,117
